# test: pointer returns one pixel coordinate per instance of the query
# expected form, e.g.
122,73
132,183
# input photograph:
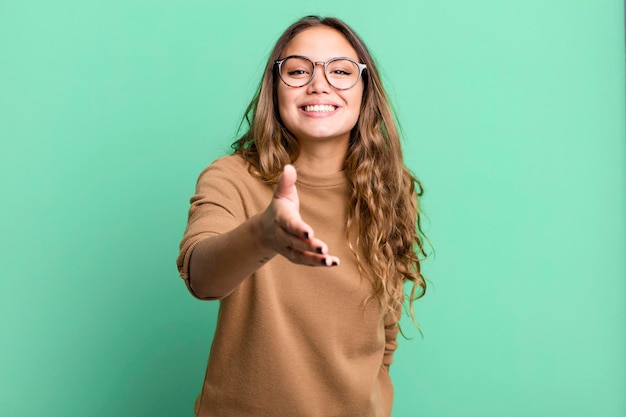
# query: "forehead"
320,43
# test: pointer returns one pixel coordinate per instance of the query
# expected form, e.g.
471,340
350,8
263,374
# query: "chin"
320,135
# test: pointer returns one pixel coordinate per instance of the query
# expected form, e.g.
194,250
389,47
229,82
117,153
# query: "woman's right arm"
220,263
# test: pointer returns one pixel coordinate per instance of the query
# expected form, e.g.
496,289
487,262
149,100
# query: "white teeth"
319,108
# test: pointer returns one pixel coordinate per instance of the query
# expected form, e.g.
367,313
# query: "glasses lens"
296,72
342,73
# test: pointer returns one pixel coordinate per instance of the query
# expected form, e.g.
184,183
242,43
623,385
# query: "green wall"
513,117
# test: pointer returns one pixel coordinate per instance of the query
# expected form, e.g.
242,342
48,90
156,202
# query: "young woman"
306,235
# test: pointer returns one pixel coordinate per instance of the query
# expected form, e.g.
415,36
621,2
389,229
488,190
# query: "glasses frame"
280,62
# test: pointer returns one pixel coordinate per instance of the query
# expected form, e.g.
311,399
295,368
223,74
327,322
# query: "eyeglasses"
341,73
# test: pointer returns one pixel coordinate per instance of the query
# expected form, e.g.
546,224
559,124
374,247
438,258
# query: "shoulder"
230,167
228,163
228,172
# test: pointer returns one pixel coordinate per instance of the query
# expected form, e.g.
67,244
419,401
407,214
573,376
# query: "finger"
286,187
317,246
310,259
296,240
294,226
330,261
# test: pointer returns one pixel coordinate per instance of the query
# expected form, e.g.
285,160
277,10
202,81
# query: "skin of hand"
220,263
284,231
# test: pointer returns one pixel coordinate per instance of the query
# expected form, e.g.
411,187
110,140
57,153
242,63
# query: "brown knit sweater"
291,340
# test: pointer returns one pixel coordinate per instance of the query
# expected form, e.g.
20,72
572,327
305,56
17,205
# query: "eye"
342,68
297,72
297,68
341,72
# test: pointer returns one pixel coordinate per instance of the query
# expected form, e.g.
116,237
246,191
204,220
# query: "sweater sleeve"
391,336
216,207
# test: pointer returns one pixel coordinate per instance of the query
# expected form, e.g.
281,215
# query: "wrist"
260,236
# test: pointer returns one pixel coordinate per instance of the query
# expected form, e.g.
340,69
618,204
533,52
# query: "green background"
513,117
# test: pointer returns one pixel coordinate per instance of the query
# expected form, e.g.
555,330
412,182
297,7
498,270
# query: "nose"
319,83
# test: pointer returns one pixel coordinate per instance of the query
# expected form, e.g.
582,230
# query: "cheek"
357,101
284,101
357,94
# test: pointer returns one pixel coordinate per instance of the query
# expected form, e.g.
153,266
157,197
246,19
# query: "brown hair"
384,193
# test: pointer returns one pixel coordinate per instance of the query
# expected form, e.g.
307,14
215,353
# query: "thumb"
286,187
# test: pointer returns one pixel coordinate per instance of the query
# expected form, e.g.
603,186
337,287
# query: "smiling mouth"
319,108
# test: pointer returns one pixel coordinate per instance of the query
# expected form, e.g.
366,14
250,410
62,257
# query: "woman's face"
336,111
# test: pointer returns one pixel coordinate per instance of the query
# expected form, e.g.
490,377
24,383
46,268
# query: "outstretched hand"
285,232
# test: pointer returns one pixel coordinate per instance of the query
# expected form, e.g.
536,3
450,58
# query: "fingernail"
306,235
334,263
318,250
323,261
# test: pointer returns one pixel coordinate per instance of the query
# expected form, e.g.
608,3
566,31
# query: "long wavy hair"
383,205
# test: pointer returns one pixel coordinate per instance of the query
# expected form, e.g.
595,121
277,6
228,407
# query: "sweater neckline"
321,180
